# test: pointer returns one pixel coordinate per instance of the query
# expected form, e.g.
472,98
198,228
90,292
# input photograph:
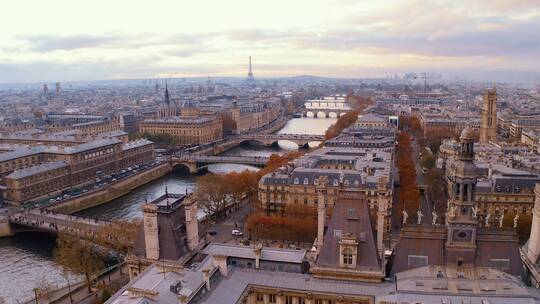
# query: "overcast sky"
106,39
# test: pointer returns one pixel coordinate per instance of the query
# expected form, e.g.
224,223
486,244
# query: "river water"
26,259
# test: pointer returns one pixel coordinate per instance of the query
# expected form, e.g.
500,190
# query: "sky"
68,40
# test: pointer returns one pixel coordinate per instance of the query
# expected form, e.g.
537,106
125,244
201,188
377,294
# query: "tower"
488,125
460,220
151,231
167,100
45,90
58,89
250,78
533,249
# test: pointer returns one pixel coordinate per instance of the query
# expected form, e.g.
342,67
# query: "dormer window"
296,181
306,181
316,181
336,182
347,256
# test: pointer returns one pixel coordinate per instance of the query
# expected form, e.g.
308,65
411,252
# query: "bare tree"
78,256
213,194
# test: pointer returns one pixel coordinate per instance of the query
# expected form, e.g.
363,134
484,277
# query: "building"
170,231
488,125
45,171
462,241
192,127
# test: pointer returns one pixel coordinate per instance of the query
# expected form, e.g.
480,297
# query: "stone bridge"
324,113
35,219
195,163
271,139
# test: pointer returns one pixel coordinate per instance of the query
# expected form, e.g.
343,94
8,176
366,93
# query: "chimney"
206,278
151,231
192,223
258,250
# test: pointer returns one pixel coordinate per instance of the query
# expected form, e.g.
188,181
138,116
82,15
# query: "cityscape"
309,152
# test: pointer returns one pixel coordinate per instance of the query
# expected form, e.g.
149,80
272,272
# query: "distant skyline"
69,40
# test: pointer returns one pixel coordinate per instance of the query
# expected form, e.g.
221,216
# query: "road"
425,205
234,220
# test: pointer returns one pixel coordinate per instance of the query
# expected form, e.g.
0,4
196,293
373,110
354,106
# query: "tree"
358,103
105,295
428,160
213,193
78,256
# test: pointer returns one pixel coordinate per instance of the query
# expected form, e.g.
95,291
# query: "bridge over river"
195,163
35,219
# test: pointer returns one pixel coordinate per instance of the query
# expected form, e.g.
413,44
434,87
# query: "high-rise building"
45,90
488,125
250,78
58,89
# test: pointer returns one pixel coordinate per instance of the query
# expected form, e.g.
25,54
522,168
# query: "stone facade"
488,125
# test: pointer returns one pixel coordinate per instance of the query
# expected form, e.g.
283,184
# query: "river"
26,259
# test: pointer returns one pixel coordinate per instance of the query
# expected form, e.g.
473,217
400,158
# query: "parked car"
237,232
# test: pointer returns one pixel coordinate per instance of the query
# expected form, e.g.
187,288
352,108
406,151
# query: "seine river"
26,259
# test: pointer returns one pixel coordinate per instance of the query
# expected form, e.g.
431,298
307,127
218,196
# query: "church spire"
167,101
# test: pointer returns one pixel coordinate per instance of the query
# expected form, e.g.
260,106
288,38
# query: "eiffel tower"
250,80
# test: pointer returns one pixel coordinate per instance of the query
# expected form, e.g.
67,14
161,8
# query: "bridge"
195,163
271,139
35,219
323,113
326,107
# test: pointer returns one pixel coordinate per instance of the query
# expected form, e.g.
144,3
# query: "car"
114,179
211,232
236,232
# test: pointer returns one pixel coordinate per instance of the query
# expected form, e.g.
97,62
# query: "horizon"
88,41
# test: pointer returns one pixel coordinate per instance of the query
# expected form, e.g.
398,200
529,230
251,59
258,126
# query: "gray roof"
232,287
18,154
267,254
37,169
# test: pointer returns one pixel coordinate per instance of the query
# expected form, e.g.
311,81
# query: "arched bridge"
55,222
270,139
197,162
324,113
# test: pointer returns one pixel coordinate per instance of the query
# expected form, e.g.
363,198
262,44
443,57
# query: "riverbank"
113,191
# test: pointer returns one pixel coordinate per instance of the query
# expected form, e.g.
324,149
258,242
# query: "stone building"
191,127
462,241
252,116
488,125
170,231
85,163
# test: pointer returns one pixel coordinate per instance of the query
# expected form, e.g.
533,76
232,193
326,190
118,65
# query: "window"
260,298
306,181
296,181
288,300
347,256
417,260
272,298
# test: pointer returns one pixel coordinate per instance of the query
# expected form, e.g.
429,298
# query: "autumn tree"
298,223
428,160
78,256
408,192
213,194
358,104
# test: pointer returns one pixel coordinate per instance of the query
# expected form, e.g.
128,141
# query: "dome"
467,134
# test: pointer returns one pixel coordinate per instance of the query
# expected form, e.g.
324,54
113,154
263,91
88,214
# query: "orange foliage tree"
298,224
408,192
358,103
